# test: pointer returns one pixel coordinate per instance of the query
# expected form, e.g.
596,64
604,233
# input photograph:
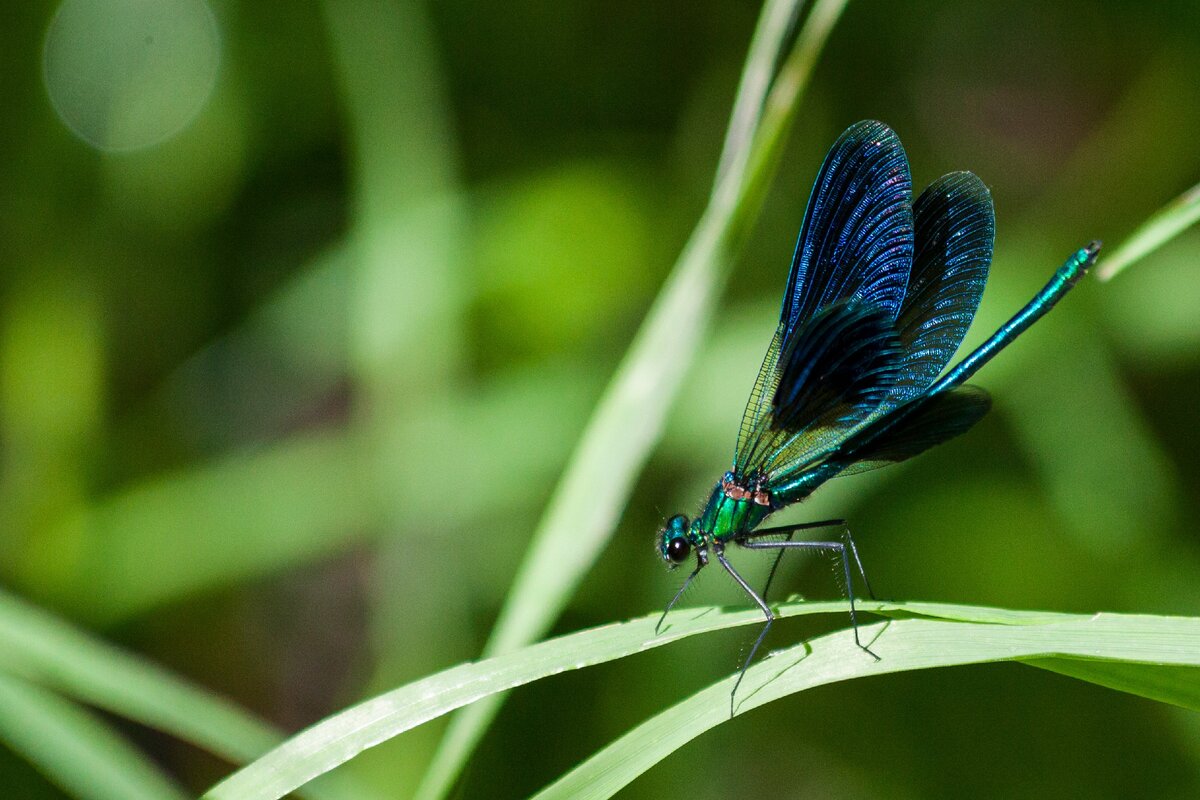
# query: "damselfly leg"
845,550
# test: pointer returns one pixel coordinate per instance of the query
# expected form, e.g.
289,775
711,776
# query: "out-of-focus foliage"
283,395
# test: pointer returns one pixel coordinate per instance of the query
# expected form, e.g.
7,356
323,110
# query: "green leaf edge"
75,750
43,650
1103,648
340,737
630,417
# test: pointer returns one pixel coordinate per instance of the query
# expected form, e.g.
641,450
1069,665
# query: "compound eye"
678,549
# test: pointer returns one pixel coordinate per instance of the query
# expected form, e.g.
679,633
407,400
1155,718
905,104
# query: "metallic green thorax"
725,516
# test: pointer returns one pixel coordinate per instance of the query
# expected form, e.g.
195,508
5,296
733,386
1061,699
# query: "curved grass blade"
1163,226
776,19
340,737
631,415
408,216
288,503
906,644
40,649
74,750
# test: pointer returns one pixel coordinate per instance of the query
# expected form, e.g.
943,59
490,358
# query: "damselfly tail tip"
1082,262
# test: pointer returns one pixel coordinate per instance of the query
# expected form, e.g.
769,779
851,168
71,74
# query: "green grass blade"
285,504
758,74
906,644
299,500
1163,226
779,110
340,737
631,415
589,499
41,649
1168,684
74,750
408,219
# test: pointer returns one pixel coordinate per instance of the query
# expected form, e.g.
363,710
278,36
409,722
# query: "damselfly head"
673,544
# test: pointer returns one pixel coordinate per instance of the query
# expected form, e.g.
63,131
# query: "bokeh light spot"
128,74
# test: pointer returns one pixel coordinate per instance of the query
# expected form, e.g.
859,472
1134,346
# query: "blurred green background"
294,347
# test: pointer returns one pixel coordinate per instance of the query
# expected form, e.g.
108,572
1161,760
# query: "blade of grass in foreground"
631,415
339,738
972,630
74,750
1139,642
287,503
40,649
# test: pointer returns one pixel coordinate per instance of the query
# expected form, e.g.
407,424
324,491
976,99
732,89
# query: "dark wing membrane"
857,236
856,242
836,368
955,228
911,430
844,359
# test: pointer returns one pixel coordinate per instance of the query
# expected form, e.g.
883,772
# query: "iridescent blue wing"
835,369
955,228
909,431
857,236
856,242
844,359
